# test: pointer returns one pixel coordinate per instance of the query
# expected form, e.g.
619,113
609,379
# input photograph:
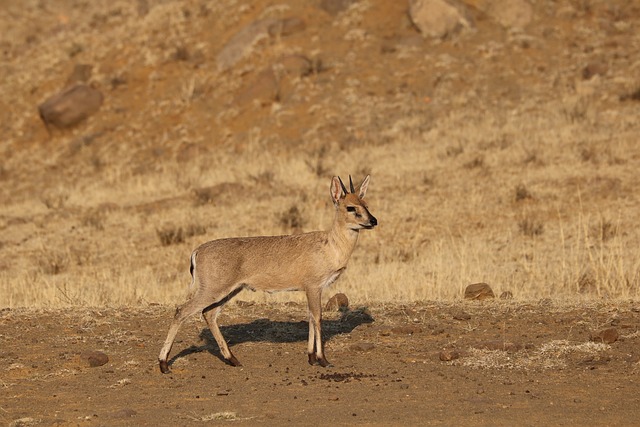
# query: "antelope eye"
351,208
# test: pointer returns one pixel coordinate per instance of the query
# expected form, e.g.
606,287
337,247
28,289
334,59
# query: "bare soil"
519,363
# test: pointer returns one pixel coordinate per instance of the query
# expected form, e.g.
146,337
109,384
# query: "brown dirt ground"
387,368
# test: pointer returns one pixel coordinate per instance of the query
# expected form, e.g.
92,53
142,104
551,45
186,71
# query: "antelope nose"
373,221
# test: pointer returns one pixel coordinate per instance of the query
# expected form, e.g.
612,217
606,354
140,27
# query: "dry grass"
551,355
534,195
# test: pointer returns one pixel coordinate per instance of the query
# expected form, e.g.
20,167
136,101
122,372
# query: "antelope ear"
363,187
336,190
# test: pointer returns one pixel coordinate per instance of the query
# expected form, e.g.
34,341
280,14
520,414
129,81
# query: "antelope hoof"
324,362
233,361
313,360
164,367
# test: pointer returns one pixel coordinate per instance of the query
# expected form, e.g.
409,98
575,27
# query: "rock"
437,18
508,13
81,74
94,358
607,336
506,295
70,106
333,7
594,69
242,42
123,413
264,90
295,65
461,315
512,13
337,302
406,330
363,346
449,355
286,27
478,291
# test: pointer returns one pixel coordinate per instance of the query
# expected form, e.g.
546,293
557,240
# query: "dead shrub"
53,262
522,193
94,218
587,284
530,226
604,230
292,218
172,235
476,163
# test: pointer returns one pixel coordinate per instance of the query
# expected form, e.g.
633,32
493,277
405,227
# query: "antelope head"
350,204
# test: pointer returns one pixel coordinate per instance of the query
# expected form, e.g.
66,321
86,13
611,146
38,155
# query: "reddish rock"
406,330
506,295
363,346
337,302
71,106
437,18
94,358
478,291
607,336
449,355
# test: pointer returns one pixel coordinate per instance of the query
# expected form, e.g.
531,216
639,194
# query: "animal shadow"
265,330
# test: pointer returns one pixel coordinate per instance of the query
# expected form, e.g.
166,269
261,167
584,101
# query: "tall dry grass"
518,205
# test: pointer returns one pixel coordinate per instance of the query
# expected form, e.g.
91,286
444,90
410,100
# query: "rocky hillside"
505,117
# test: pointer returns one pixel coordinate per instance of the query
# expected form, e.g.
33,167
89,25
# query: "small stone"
594,69
286,27
406,330
478,291
506,295
437,18
461,315
70,106
449,355
123,413
263,90
296,65
334,7
94,358
607,336
363,346
337,302
511,13
81,74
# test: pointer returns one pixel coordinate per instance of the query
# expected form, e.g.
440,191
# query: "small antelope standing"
310,262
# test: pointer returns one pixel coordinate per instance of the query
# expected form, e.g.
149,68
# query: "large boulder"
70,106
438,18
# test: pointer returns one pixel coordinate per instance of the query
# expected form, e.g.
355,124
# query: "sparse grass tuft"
292,218
522,193
172,235
53,262
530,226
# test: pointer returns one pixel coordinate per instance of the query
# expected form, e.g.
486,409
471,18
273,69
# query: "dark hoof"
324,363
233,361
164,367
313,360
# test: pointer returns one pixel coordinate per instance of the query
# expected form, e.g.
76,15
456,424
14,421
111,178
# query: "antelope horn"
344,189
353,190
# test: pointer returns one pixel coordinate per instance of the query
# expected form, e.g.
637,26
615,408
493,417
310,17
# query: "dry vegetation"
496,155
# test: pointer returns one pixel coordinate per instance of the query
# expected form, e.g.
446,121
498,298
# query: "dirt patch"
554,373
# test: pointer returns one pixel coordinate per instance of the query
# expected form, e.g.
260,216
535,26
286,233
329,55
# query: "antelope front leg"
315,346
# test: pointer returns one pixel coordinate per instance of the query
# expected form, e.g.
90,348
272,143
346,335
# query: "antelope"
310,262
